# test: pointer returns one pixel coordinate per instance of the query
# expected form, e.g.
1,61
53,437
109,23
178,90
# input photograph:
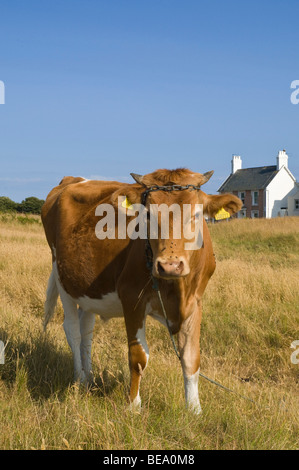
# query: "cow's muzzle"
170,269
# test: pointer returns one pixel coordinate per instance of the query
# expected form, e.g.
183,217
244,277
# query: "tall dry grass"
250,320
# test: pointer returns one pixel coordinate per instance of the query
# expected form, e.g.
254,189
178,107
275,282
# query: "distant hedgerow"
30,205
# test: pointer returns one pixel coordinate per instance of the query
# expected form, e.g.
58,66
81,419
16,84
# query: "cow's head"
171,251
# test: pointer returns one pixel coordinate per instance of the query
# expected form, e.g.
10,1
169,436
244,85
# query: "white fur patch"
191,392
109,306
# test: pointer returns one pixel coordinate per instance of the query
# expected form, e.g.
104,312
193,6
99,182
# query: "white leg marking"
71,327
87,321
135,405
191,392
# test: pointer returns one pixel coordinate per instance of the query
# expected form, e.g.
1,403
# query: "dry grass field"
250,319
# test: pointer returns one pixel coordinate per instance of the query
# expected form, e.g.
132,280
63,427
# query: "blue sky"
102,88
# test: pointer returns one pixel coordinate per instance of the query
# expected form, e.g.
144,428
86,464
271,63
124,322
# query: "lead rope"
149,263
228,389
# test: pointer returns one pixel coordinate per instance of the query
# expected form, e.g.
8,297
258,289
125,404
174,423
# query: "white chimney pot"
282,159
236,163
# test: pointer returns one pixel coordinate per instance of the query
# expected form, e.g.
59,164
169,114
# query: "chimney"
282,159
236,163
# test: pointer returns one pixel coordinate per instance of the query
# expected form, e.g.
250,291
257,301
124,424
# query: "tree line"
30,205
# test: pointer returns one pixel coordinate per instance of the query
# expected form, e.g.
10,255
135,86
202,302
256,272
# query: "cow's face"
171,222
173,216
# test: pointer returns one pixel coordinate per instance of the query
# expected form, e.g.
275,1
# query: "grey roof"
249,178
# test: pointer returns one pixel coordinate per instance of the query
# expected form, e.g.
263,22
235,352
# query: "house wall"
248,203
291,203
260,206
277,192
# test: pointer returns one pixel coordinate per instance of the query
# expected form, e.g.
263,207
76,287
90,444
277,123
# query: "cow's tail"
51,300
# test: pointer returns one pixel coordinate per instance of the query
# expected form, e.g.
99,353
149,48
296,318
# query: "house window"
296,204
242,214
242,196
283,212
255,198
254,214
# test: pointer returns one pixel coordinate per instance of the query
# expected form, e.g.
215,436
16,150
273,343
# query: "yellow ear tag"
222,214
126,204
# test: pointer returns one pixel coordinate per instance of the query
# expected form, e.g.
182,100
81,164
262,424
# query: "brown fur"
181,176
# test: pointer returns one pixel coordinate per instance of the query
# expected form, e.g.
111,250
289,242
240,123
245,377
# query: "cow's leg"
87,321
138,358
188,341
71,327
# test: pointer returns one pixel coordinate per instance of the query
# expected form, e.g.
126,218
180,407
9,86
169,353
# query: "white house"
268,191
293,201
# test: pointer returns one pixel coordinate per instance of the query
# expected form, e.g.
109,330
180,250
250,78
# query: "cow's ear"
205,177
229,202
126,196
138,178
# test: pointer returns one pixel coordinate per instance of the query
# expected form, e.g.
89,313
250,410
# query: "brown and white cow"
110,277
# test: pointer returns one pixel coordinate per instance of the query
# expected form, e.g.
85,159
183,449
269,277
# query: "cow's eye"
196,216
